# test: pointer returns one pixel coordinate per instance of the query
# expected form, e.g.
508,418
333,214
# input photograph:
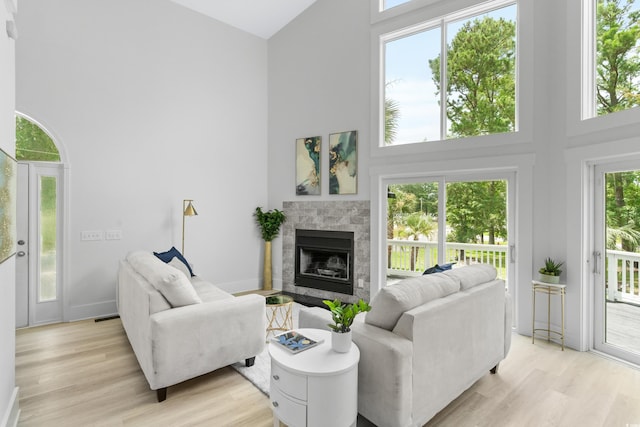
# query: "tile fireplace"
351,217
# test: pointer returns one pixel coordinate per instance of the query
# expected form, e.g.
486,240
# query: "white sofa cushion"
176,263
472,275
169,281
391,301
208,291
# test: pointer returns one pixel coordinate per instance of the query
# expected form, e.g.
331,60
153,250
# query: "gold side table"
279,313
549,289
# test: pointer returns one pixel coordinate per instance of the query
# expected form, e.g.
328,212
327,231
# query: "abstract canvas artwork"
343,163
308,166
8,169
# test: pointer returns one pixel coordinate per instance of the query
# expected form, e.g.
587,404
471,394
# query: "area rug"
259,373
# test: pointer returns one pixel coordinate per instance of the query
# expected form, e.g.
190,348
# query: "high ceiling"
263,18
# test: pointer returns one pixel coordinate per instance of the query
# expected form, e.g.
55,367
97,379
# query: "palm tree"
418,224
625,233
397,205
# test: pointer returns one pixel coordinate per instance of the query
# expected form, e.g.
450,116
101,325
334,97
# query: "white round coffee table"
316,387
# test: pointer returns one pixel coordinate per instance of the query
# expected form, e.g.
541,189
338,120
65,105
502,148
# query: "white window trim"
520,166
423,17
582,117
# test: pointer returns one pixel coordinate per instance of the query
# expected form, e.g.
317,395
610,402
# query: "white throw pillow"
177,264
168,280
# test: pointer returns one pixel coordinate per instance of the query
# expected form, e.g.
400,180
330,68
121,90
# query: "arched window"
33,143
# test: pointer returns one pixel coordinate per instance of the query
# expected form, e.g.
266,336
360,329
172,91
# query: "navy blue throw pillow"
438,268
173,252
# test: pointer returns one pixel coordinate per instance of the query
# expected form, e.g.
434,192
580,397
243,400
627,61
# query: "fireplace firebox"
324,260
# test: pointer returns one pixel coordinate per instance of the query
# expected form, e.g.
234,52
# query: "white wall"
153,103
8,390
320,73
318,84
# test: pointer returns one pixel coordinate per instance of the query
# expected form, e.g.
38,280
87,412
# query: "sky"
409,78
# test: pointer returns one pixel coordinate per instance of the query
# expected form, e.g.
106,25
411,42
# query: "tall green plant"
269,222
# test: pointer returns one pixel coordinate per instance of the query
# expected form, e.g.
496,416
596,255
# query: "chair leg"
162,394
250,361
494,369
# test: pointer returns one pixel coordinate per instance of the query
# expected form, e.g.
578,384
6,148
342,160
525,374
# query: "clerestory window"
451,77
612,56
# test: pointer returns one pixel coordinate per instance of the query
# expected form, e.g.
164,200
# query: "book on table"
295,342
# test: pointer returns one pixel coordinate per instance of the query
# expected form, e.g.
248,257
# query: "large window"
444,221
452,77
617,64
388,4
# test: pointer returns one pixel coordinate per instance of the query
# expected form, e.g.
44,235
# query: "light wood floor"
85,373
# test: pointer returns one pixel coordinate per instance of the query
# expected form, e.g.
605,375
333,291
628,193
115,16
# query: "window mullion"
443,81
589,59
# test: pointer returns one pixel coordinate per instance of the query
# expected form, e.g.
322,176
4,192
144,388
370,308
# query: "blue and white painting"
343,163
308,166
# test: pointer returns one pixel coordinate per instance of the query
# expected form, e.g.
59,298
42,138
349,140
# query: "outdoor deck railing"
411,258
622,270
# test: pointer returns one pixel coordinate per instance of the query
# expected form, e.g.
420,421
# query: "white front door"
39,262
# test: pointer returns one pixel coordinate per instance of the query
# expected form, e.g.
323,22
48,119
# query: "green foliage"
475,210
622,198
48,209
269,223
418,224
391,117
617,61
551,268
32,143
480,84
343,315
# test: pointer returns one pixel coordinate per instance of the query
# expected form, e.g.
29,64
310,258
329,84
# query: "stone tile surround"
352,216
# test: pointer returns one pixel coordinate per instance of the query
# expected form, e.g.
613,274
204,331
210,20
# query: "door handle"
21,242
596,262
21,253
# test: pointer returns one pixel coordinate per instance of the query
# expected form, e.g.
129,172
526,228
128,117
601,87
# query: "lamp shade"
189,210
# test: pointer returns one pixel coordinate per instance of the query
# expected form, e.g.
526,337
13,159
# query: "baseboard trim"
91,311
10,419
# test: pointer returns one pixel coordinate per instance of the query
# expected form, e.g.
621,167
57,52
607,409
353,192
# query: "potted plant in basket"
550,273
269,223
343,316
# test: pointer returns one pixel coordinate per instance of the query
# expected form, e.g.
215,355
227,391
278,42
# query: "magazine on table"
295,342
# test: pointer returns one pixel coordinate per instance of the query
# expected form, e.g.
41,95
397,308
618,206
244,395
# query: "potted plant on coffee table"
343,316
269,223
550,273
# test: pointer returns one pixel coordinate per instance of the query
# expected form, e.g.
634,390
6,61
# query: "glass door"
617,260
451,220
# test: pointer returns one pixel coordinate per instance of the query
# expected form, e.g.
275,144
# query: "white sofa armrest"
196,339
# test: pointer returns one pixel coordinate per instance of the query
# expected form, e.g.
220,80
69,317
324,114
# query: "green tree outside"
617,59
480,84
33,144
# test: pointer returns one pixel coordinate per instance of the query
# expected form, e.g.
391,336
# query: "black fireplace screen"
324,260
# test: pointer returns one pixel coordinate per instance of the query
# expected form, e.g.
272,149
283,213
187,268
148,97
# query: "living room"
147,99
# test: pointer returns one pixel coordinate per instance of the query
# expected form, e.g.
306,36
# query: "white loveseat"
425,341
181,327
